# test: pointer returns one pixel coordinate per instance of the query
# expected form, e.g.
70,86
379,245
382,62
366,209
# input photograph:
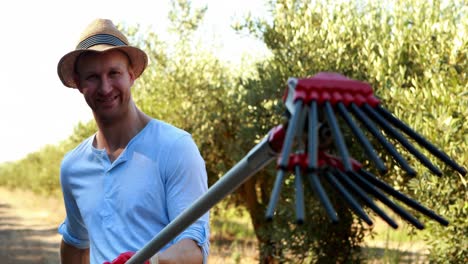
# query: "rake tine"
314,181
395,134
339,141
420,139
371,153
275,193
384,199
400,196
312,150
362,194
290,135
284,159
389,147
317,187
313,136
348,198
299,196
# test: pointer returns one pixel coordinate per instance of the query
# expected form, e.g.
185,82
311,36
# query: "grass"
232,237
392,246
233,241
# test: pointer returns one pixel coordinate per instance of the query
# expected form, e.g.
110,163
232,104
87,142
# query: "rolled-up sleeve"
79,241
200,235
73,229
186,181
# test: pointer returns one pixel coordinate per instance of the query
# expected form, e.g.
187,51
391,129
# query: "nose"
105,86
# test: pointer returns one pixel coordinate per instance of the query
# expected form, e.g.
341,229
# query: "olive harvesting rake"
311,145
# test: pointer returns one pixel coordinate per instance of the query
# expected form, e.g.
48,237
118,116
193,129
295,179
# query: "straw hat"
101,35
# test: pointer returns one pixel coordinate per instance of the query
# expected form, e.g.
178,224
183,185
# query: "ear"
76,79
132,74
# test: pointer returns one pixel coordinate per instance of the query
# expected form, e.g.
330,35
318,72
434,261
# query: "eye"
91,77
114,73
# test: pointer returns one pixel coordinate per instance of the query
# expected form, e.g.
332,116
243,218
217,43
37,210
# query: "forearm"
185,251
72,255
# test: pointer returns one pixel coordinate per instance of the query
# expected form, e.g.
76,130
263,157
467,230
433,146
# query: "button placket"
109,189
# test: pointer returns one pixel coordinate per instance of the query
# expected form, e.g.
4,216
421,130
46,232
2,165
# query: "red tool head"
323,101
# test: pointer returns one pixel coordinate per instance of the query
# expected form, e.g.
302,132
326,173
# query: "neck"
114,135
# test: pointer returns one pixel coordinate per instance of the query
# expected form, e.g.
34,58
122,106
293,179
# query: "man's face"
105,80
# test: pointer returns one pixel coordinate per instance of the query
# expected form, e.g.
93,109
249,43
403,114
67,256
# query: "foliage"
39,171
414,54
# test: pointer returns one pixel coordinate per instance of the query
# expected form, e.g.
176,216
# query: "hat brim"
66,65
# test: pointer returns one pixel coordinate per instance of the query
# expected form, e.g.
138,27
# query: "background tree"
414,54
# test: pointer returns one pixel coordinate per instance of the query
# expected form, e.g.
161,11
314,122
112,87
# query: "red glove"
122,258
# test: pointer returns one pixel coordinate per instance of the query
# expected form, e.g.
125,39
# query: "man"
125,183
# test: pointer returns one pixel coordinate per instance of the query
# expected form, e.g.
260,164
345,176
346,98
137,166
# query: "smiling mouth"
107,100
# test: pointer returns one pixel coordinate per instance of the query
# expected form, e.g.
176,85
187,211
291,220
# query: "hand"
122,258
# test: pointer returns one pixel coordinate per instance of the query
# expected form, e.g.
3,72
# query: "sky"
36,109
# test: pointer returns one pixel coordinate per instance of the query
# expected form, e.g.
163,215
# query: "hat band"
100,39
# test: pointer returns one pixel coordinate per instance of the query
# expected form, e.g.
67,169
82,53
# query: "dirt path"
28,232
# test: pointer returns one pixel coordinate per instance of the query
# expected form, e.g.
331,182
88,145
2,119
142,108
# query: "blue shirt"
114,207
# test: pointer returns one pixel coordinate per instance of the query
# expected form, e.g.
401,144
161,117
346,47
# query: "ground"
28,229
28,235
